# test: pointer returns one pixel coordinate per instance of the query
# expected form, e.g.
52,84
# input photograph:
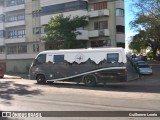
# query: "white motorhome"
89,66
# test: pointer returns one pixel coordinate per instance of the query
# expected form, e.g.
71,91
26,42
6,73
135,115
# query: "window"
120,29
120,44
12,34
20,2
12,19
16,33
35,47
15,2
41,59
12,2
98,43
36,13
16,18
21,17
17,49
1,50
12,50
22,49
69,6
101,25
119,12
21,33
1,18
58,58
37,30
112,57
100,6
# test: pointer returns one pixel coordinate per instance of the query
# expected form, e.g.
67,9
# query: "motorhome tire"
89,80
41,79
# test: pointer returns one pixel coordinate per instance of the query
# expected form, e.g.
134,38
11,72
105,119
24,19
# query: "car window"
143,66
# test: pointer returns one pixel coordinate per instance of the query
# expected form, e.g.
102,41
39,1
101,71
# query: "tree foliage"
137,43
147,19
62,31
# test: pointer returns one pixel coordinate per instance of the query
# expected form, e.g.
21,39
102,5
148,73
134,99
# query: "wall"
18,65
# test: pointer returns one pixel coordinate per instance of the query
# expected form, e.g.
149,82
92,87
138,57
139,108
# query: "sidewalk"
131,73
16,76
153,62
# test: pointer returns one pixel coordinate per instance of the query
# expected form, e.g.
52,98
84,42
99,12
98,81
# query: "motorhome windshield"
40,59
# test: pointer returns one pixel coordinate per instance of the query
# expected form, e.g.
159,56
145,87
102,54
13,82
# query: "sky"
128,18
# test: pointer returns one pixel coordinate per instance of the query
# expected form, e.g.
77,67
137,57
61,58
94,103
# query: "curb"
12,77
134,79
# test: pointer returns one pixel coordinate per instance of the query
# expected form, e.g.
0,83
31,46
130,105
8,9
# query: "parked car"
134,60
144,69
139,62
143,57
1,73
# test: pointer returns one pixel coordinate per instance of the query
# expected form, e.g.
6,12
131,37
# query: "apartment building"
21,27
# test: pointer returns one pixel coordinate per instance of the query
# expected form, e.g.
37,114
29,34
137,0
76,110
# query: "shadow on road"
9,89
121,87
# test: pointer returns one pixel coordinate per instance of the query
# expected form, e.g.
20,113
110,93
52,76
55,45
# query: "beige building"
21,28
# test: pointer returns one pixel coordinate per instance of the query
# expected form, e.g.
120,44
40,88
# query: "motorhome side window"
112,57
40,59
58,58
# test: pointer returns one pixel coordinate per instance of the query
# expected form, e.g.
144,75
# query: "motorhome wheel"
41,79
89,80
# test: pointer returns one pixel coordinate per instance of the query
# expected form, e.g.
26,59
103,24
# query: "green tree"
62,31
147,19
137,43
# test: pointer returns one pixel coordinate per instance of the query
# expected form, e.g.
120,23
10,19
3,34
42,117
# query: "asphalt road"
137,95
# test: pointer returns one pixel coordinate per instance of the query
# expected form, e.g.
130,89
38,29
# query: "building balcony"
1,10
99,33
46,18
1,41
97,13
2,57
15,40
83,35
21,56
15,23
120,21
14,8
120,37
2,26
